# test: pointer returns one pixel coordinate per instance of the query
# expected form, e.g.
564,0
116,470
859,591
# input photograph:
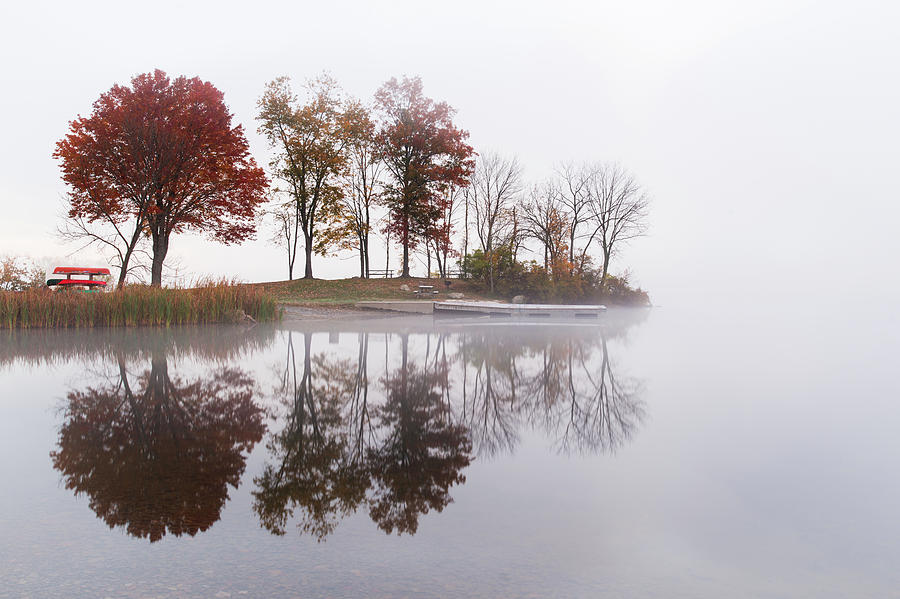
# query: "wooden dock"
522,311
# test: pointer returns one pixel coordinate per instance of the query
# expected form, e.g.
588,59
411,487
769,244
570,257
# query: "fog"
765,132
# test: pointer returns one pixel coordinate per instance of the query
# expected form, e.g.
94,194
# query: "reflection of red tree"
158,458
421,457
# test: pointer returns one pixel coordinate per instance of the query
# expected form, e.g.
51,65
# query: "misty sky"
765,132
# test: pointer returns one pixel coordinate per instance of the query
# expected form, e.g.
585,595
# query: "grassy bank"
536,289
346,292
136,305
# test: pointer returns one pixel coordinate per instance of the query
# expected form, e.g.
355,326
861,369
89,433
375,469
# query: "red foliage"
165,153
424,153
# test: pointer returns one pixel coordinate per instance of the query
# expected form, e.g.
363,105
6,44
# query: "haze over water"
653,454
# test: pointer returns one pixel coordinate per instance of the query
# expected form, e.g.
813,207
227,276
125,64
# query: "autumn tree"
163,155
350,219
423,152
310,140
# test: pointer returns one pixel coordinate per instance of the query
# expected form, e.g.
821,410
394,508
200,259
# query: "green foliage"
135,305
619,291
477,264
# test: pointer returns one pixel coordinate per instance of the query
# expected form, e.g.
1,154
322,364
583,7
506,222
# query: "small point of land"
345,293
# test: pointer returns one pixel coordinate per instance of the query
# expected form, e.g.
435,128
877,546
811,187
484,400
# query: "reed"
135,305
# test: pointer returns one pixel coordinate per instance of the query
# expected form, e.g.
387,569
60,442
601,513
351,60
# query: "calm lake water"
671,453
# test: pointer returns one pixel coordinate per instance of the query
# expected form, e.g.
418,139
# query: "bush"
563,284
18,274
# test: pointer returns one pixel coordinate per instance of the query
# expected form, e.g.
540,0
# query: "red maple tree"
163,154
424,153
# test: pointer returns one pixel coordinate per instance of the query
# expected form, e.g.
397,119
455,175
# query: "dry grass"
136,305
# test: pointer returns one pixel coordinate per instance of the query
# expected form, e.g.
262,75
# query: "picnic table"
426,290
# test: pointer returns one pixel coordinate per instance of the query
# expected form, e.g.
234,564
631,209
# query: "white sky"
766,132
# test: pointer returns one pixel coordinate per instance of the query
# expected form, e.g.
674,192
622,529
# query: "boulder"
519,299
456,295
404,287
238,316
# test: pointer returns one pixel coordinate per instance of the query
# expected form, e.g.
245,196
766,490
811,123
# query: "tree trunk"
160,249
606,256
291,260
308,273
465,233
123,271
572,245
405,272
366,244
490,261
292,251
126,259
362,261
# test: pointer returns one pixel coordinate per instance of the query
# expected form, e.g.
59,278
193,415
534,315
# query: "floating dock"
523,311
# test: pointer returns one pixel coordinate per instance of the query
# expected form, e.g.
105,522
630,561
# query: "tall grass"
135,305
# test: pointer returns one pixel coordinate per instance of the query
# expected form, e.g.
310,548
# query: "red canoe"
85,282
80,270
85,277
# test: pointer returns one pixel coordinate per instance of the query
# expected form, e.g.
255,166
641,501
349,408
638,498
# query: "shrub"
562,284
19,274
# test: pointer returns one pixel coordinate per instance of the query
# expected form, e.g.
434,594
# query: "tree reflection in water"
155,453
422,452
567,386
399,450
332,456
319,469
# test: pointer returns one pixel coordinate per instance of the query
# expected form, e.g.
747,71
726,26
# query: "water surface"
662,454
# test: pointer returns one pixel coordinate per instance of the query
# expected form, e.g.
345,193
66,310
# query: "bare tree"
573,196
440,239
105,227
494,186
618,209
543,219
286,231
120,240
